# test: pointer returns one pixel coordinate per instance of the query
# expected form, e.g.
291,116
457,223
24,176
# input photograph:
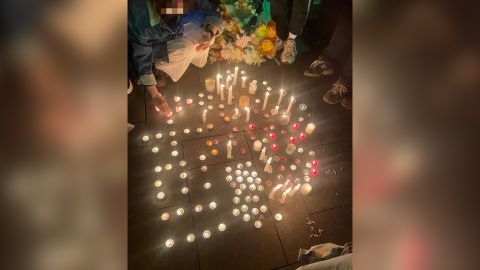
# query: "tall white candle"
280,96
222,87
267,166
310,128
244,79
297,187
271,195
285,185
284,195
265,101
204,116
235,76
218,83
227,83
292,99
230,95
262,154
229,150
247,118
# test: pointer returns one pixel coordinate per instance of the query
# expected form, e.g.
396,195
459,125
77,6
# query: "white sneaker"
289,52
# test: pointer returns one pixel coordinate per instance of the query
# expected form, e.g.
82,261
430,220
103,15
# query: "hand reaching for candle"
159,101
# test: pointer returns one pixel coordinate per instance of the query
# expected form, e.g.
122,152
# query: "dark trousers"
339,48
279,10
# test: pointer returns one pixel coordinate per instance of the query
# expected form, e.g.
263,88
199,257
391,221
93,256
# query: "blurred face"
173,7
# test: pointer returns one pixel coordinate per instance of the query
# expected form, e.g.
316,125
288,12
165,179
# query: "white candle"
310,128
222,87
218,83
229,150
280,97
265,101
235,76
237,114
230,95
267,166
257,145
244,79
262,154
285,185
297,187
227,83
247,118
272,192
204,116
284,195
252,87
290,104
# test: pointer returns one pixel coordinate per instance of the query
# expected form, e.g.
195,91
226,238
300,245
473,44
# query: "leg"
300,9
278,10
181,51
341,41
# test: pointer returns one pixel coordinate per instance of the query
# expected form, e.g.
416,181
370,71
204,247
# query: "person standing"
288,28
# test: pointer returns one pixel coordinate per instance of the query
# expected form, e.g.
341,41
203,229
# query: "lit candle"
284,195
227,83
229,150
290,104
280,97
237,114
218,83
275,110
267,166
271,195
204,116
310,128
290,148
247,118
221,91
297,187
262,154
235,75
265,101
244,79
285,185
210,84
252,87
230,95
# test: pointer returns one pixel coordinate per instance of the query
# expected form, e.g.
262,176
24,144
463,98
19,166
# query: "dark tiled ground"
241,246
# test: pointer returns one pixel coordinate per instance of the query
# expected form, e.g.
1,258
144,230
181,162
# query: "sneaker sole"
329,102
309,74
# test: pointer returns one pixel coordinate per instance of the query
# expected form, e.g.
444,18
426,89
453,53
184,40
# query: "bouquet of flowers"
235,44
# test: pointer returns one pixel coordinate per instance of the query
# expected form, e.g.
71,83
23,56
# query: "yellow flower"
261,31
271,33
267,45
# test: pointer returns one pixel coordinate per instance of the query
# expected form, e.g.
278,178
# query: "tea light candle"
247,118
310,128
235,76
237,114
292,99
306,188
280,96
209,127
252,87
189,101
290,148
229,150
262,154
244,79
275,110
257,145
204,116
210,84
265,101
177,98
178,109
284,195
222,87
284,118
297,187
218,83
271,195
230,95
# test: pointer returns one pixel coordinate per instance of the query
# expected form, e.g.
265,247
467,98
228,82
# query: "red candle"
272,136
274,147
251,126
302,136
296,125
313,172
314,163
292,140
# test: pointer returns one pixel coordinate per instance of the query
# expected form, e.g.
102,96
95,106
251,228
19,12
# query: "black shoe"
162,78
320,67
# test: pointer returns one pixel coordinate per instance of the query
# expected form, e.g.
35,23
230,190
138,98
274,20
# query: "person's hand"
159,101
206,37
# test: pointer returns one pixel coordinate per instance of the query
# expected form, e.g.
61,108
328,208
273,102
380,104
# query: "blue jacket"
148,34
